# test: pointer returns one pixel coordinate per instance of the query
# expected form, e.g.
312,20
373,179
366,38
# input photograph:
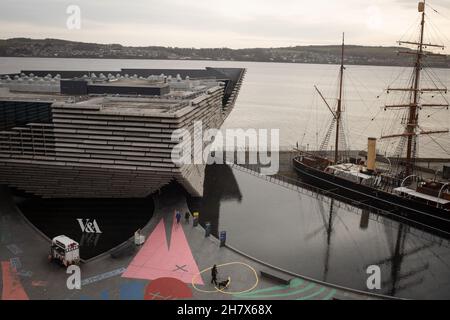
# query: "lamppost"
440,191
389,161
403,181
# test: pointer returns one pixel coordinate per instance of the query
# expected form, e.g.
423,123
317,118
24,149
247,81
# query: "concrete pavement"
25,251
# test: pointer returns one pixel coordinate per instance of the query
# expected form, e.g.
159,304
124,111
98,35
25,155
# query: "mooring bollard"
195,220
207,229
223,238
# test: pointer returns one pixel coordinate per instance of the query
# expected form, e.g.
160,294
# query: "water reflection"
117,220
326,229
323,238
400,280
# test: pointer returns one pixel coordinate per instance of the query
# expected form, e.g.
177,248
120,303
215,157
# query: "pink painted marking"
38,283
12,288
156,260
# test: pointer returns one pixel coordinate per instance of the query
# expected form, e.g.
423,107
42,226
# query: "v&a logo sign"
89,226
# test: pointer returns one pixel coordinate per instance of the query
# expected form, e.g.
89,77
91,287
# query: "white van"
65,250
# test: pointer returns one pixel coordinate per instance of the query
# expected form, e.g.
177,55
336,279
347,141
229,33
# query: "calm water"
326,240
281,96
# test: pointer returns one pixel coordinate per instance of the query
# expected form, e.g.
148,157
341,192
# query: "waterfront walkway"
174,263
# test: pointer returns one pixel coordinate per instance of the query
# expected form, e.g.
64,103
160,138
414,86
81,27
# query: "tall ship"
398,189
107,134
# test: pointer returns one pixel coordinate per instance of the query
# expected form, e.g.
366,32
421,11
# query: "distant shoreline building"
106,134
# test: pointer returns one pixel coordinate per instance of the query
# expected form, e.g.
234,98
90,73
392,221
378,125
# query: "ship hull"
419,214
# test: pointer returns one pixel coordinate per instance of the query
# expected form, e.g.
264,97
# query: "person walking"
178,216
214,275
186,217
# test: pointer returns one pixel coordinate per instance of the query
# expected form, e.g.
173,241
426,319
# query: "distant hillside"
361,55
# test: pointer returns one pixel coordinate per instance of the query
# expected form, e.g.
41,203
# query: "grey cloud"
187,17
435,3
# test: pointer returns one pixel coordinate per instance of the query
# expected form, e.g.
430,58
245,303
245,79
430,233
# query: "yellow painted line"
226,292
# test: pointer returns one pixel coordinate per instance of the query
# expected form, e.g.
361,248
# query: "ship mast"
412,115
339,105
414,106
336,113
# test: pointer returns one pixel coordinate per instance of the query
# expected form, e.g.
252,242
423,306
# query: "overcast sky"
220,23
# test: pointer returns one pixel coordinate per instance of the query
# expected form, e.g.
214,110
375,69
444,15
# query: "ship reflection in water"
323,238
97,224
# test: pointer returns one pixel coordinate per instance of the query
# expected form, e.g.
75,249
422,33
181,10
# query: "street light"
440,191
403,181
389,161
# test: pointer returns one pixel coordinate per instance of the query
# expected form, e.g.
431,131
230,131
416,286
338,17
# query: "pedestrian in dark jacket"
186,216
178,216
214,275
